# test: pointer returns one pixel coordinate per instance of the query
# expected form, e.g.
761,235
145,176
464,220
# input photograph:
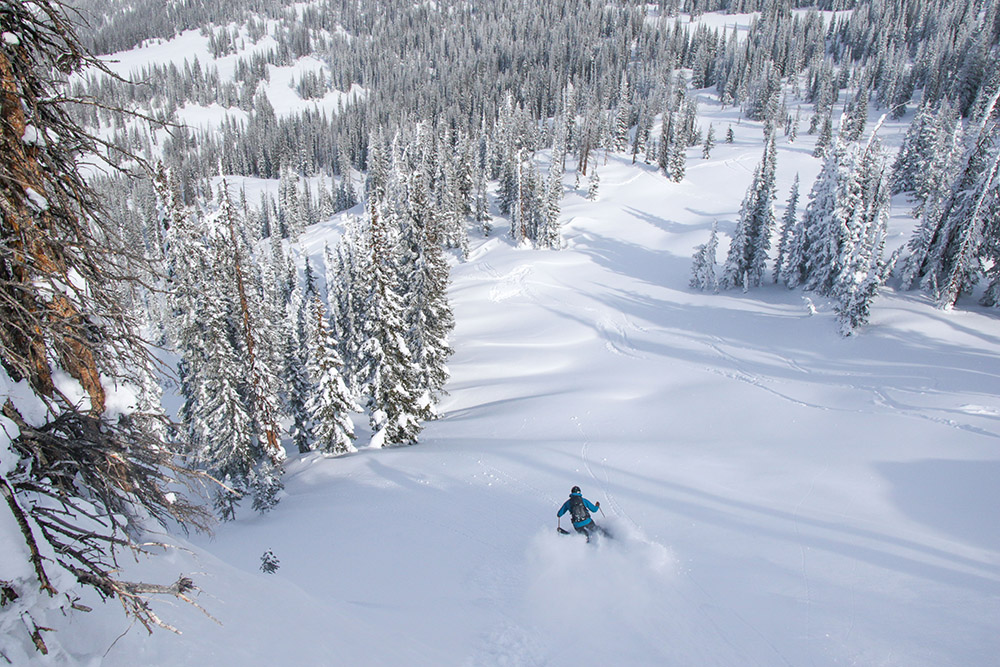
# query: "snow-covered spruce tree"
346,196
527,217
676,151
222,417
345,298
953,236
425,274
746,261
929,156
272,315
236,411
548,234
593,185
189,263
855,118
641,136
794,269
297,348
331,404
835,202
706,149
622,116
666,141
704,264
837,248
453,205
792,129
481,202
387,369
787,229
764,95
917,149
80,484
863,269
824,139
293,206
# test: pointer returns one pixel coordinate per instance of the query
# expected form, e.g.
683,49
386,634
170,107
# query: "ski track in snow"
880,396
606,483
616,333
685,588
509,286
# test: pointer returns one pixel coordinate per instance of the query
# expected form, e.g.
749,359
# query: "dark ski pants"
591,529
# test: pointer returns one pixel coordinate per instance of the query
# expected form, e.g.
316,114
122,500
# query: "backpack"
577,510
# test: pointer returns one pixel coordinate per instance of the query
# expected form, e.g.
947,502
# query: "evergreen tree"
787,233
388,369
745,263
835,205
825,139
428,313
856,115
297,348
929,158
331,404
347,298
593,185
269,563
665,145
706,149
676,153
916,152
641,139
623,116
265,481
234,412
953,234
863,269
703,267
548,235
222,418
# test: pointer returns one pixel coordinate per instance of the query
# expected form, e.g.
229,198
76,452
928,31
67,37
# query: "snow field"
783,496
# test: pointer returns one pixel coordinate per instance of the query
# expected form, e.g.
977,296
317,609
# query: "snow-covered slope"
781,495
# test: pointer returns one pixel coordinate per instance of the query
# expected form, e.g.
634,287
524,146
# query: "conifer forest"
224,261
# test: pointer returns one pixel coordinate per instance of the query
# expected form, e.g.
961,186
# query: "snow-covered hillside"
781,495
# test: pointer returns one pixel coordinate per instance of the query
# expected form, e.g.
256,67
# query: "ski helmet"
575,489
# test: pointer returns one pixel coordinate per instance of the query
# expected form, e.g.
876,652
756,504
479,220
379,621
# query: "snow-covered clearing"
781,495
191,46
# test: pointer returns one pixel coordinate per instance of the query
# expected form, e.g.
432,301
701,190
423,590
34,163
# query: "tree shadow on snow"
797,528
958,498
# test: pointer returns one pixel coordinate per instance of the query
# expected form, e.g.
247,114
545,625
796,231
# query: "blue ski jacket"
566,507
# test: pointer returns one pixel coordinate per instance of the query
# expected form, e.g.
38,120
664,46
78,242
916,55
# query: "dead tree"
83,482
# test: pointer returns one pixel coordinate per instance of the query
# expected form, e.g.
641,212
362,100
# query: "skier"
578,507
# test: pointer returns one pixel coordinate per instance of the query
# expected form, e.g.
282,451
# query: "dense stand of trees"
882,55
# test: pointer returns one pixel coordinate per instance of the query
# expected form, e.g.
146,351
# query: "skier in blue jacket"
579,509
